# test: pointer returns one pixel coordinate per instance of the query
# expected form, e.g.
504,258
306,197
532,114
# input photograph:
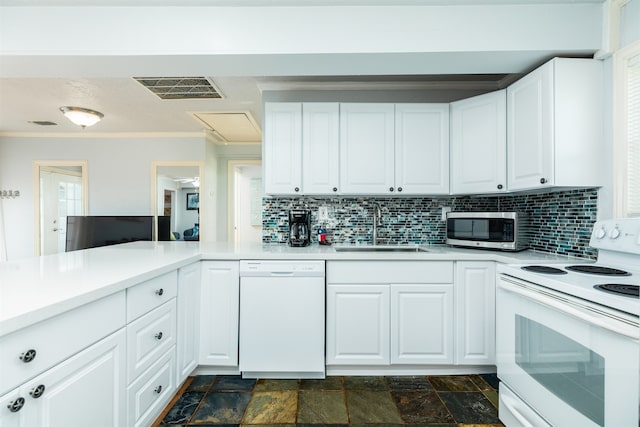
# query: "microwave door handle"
570,308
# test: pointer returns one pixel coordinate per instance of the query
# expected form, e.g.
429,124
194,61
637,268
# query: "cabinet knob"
543,180
158,389
391,189
158,336
38,391
16,405
399,189
297,189
28,356
159,292
499,186
335,189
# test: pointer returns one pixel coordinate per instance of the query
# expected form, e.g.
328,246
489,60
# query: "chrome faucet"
377,218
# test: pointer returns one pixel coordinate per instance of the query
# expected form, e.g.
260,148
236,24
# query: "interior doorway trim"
154,191
39,165
231,220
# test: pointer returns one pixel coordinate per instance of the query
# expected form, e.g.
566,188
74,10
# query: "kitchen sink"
379,248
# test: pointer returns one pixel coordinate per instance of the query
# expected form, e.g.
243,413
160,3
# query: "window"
627,131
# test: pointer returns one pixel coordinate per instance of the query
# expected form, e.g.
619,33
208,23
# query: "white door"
320,147
357,324
247,203
219,313
475,313
422,148
282,148
530,130
421,324
188,316
61,195
86,390
479,144
367,149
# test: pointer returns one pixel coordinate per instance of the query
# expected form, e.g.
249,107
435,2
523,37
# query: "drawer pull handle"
159,292
28,356
158,336
158,389
36,392
16,405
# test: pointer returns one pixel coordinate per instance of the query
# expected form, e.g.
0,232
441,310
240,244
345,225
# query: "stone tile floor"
444,401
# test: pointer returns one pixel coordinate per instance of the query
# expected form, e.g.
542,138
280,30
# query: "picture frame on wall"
193,201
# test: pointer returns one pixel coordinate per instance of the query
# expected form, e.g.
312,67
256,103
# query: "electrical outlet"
323,213
445,209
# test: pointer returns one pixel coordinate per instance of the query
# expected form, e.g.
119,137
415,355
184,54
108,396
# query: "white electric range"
612,281
563,328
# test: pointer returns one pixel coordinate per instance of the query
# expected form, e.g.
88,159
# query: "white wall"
119,172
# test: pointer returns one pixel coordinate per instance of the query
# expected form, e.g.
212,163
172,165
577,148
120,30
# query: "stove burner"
543,269
625,290
598,269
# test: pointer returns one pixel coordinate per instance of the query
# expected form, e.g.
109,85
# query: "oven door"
572,363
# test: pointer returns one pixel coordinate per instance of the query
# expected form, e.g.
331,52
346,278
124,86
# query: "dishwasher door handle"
281,273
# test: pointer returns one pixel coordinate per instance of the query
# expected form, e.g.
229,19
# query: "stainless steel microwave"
507,231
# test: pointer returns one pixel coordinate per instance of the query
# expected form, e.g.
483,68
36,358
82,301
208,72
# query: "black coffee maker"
299,227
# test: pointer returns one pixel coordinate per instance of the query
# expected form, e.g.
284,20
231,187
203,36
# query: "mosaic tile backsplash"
560,222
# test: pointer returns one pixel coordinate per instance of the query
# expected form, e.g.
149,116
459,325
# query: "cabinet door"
530,130
422,148
475,312
357,325
188,320
320,147
282,148
85,390
479,144
219,311
421,324
367,148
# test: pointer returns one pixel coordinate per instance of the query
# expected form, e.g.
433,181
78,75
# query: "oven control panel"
621,235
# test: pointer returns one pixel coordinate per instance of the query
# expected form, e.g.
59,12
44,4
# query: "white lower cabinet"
151,391
219,313
357,324
475,313
187,334
87,389
422,324
389,312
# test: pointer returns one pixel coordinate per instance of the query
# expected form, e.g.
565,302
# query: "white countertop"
34,289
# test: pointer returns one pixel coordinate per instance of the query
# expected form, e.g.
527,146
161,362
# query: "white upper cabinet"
320,147
282,148
366,148
422,148
479,144
555,126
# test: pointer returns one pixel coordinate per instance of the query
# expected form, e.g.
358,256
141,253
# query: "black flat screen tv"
84,232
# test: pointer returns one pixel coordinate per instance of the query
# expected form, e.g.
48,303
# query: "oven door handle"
571,308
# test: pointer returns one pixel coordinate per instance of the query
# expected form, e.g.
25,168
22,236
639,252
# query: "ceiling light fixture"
82,117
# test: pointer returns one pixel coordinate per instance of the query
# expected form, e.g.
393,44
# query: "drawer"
56,339
148,295
150,393
149,337
386,272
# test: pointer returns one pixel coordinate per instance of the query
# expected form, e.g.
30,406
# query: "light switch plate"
323,213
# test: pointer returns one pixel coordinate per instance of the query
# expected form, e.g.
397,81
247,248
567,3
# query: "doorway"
61,191
245,201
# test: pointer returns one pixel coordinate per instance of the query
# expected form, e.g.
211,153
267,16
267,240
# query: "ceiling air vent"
180,87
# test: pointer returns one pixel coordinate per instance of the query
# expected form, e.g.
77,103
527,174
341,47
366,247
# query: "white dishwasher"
282,318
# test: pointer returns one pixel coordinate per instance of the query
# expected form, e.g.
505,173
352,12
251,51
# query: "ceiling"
235,116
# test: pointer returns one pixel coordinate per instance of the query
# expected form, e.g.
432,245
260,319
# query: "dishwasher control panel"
300,268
